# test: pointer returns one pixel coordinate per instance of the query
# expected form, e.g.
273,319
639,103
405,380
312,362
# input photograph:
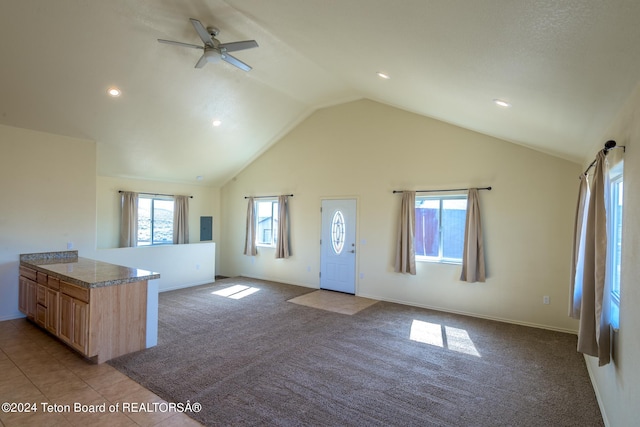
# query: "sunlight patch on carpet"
443,336
334,301
236,291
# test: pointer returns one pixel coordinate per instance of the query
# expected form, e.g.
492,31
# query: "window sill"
437,261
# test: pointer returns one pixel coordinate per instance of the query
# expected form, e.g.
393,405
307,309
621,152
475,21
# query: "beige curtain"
577,266
180,220
593,335
250,232
405,251
473,265
282,241
128,219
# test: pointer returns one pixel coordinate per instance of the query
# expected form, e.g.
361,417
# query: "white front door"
338,246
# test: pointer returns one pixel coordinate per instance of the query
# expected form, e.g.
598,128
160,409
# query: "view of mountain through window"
155,221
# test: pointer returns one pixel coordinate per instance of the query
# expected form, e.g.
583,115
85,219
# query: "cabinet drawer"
41,278
28,273
53,283
74,291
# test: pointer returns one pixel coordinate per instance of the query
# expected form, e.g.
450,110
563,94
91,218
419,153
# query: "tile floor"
334,301
37,368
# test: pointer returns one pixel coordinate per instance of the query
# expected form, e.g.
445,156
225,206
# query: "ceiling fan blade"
235,61
202,32
235,46
201,62
194,46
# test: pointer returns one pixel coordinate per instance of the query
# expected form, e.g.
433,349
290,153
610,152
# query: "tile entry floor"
37,368
334,301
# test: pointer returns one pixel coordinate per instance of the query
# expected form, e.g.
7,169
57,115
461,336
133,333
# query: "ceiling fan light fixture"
212,56
502,103
114,92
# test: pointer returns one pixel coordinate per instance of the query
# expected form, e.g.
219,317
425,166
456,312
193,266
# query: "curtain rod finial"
609,145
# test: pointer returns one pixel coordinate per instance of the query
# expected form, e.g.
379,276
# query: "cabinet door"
41,314
23,294
41,295
53,315
65,327
32,291
80,336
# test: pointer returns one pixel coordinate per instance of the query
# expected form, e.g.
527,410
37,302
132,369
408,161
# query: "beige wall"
48,193
618,384
205,202
365,150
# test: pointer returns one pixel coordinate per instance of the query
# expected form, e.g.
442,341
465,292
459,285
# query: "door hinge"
320,241
319,274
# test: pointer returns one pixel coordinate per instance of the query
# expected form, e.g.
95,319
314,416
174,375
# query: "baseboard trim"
430,307
187,285
479,316
594,384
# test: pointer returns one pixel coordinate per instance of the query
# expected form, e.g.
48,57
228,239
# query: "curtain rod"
609,145
440,191
267,197
154,194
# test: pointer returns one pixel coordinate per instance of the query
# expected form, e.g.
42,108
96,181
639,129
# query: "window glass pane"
440,223
427,238
162,221
616,225
454,213
337,232
267,220
274,223
144,221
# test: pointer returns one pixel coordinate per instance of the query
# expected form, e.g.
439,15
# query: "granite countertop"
85,272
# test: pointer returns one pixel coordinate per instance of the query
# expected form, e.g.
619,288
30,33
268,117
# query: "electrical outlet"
545,299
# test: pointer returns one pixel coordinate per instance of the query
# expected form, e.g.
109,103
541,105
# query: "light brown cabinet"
99,322
28,288
52,318
74,317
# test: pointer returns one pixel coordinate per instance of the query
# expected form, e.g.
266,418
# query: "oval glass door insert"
337,232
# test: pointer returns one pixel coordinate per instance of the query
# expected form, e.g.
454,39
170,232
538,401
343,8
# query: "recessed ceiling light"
114,91
199,177
501,103
216,123
383,75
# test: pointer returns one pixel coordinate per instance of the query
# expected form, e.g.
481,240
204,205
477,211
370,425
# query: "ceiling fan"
214,51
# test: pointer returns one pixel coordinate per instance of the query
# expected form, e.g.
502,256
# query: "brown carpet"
250,358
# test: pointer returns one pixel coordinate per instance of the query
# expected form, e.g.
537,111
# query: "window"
614,248
440,223
266,222
155,221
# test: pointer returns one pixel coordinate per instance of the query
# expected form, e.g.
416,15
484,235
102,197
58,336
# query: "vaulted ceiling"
566,67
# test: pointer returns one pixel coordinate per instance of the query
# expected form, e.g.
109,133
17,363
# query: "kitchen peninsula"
98,309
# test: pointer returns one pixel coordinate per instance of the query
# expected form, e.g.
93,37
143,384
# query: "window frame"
152,214
274,227
441,259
